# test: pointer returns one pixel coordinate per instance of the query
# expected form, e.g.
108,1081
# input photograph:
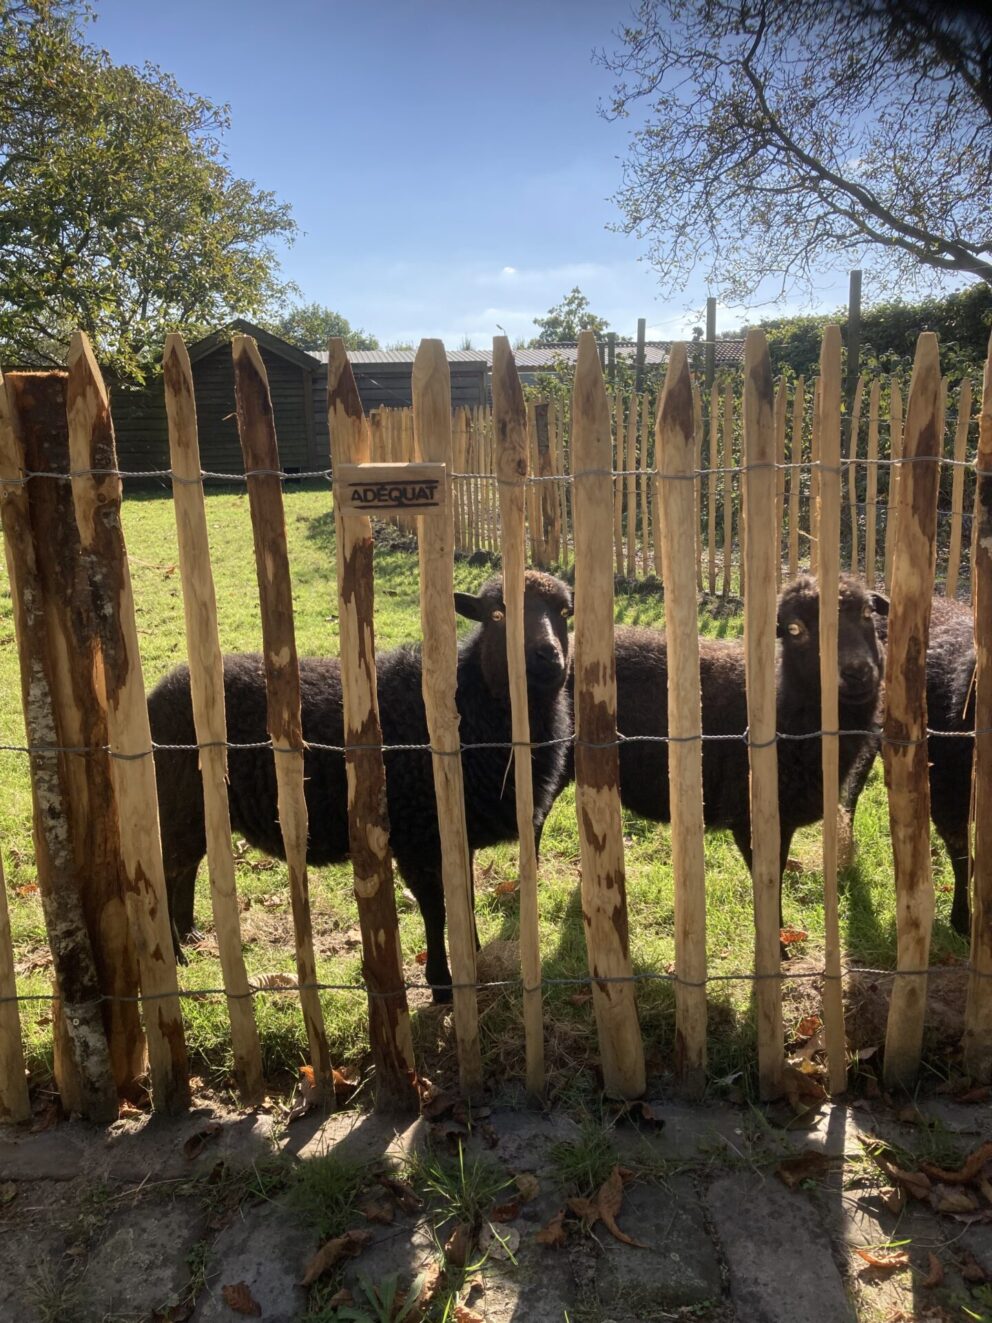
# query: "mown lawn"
867,906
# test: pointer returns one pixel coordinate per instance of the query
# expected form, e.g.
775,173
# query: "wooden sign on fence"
373,488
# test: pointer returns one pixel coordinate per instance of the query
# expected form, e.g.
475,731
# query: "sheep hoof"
442,996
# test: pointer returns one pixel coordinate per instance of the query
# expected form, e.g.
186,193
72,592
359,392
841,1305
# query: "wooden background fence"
680,461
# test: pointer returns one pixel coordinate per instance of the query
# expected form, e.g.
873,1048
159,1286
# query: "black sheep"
642,709
483,704
951,708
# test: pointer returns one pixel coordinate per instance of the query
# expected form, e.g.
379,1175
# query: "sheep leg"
179,888
957,845
427,886
742,838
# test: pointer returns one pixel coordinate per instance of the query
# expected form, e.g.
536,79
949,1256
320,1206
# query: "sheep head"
547,607
859,655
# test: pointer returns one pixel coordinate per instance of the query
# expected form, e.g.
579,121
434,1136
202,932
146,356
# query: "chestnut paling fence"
98,853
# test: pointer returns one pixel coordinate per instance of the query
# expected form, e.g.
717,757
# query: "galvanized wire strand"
574,981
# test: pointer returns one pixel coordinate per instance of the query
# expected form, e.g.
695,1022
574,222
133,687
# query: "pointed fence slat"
871,487
597,794
904,744
630,464
97,501
814,481
977,1044
206,673
390,1036
828,523
675,448
510,425
645,482
759,646
618,450
15,1104
795,473
432,431
77,845
957,488
256,428
697,481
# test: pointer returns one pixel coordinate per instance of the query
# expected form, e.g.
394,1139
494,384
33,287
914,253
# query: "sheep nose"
546,661
857,674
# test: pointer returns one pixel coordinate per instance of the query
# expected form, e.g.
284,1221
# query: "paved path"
122,1226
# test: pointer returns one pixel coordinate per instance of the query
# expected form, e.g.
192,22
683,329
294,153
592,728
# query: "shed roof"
729,353
240,326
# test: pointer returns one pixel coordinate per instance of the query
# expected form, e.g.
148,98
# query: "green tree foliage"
962,321
311,325
566,319
118,212
777,138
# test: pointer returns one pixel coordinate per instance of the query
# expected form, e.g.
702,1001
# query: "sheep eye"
496,615
566,611
867,613
796,628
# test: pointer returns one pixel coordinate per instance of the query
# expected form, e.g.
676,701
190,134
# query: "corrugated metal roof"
729,353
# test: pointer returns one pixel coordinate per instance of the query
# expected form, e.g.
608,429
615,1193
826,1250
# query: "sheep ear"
879,603
469,606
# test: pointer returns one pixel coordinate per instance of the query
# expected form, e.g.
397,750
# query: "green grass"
867,904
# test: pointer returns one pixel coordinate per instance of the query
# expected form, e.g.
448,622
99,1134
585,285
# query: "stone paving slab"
142,1262
777,1252
268,1252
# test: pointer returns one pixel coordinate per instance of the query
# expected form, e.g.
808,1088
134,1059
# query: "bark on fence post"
781,405
15,1104
432,431
728,491
904,738
977,1043
256,428
759,644
630,464
75,817
617,464
597,794
390,1037
645,474
697,482
206,674
957,489
510,422
675,450
97,501
828,523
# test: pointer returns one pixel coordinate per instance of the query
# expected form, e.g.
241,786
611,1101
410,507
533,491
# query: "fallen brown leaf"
506,888
949,1200
421,957
894,1198
456,1249
240,1299
885,1259
972,1166
971,1269
506,1212
339,1298
308,1095
911,1115
465,1315
808,1026
348,1246
195,1145
345,1084
404,1194
378,1210
554,1233
980,1094
609,1200
528,1185
805,1166
935,1277
789,936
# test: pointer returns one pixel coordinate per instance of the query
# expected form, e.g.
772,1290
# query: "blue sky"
445,161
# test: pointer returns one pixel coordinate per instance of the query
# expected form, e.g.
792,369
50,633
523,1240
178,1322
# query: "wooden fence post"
597,793
712,463
728,494
553,497
697,482
15,1104
904,739
781,406
957,489
828,523
977,1043
871,486
814,481
796,473
675,449
390,1036
256,428
206,675
852,470
645,475
617,464
510,422
97,501
895,474
630,465
759,643
432,432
